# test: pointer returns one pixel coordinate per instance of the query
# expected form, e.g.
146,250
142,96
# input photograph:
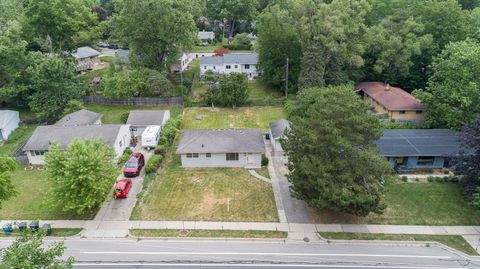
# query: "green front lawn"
453,241
112,113
223,194
20,135
207,233
417,204
33,201
221,118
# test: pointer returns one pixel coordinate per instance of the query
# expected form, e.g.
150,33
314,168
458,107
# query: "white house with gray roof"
86,58
277,130
221,148
206,37
245,63
79,118
114,135
140,119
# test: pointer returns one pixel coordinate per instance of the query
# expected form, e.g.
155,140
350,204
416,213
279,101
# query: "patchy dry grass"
207,233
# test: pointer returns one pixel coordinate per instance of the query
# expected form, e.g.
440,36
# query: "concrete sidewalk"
264,226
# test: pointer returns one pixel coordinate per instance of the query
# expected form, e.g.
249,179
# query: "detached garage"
9,121
140,119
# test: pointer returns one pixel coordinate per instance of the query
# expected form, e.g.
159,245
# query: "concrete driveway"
121,209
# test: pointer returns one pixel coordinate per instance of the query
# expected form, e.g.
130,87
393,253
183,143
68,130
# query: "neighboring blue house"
418,148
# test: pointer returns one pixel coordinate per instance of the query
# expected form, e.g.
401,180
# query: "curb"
185,238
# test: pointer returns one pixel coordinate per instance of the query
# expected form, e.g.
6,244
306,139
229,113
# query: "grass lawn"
454,241
260,91
221,194
58,232
32,200
113,113
221,118
263,171
207,233
417,204
16,139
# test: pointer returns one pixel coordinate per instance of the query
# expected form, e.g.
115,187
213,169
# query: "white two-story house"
245,63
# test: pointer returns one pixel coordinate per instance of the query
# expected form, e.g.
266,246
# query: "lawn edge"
399,242
221,238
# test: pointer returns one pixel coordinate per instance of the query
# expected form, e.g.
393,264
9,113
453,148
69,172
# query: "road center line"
262,254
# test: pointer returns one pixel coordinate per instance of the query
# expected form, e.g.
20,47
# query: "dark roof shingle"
392,98
146,117
81,117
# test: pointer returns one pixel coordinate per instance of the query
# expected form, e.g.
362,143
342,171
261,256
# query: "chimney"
387,88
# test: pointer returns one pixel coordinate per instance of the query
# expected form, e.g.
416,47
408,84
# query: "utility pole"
286,81
181,80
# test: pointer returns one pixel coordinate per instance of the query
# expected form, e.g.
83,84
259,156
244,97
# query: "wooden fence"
140,101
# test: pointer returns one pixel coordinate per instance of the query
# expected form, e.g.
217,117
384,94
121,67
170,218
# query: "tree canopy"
82,174
332,160
7,189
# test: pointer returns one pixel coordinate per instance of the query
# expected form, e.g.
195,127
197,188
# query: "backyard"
32,200
417,204
221,118
112,114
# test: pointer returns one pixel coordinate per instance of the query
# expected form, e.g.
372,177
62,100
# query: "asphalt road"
131,253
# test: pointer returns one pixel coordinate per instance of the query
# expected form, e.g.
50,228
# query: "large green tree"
52,83
54,24
28,251
233,11
453,91
7,189
82,174
332,160
278,40
232,90
156,30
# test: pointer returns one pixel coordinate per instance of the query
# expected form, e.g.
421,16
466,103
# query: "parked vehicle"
134,165
122,187
150,136
103,45
113,46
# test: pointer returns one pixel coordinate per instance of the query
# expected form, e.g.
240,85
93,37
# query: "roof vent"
387,87
202,145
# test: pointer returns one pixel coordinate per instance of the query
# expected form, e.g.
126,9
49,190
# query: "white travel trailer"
150,136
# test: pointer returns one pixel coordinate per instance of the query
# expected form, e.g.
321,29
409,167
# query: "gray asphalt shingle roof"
6,116
206,35
231,58
278,127
43,136
84,52
419,142
221,141
146,117
81,117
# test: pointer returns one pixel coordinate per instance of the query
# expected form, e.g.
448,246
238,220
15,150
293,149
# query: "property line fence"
139,101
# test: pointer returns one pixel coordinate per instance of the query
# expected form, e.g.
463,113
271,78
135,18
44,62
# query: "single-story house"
222,148
9,121
79,118
86,58
140,119
183,60
408,149
276,131
245,63
206,37
391,102
115,135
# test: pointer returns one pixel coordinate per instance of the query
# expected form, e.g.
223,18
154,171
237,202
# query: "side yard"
416,204
32,200
112,114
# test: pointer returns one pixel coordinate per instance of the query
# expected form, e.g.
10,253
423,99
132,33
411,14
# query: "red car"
134,165
122,187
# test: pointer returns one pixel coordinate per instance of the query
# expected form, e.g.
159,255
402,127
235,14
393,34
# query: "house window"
401,112
419,111
205,67
425,160
192,155
120,143
236,66
208,155
247,66
213,67
232,156
38,152
228,67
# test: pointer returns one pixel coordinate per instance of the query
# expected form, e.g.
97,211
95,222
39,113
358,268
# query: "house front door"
250,158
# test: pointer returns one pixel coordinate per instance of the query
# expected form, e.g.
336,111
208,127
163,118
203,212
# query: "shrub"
264,160
153,164
124,116
431,179
169,131
160,150
404,178
126,154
